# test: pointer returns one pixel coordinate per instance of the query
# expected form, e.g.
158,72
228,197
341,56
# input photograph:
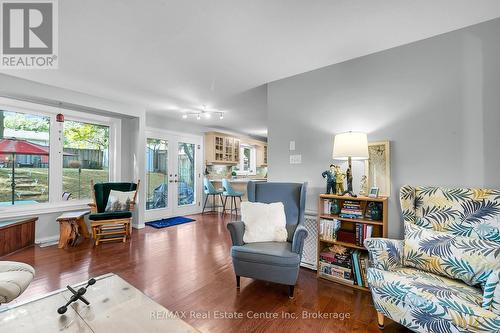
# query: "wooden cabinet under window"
16,234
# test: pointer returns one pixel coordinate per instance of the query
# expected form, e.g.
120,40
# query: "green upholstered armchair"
110,225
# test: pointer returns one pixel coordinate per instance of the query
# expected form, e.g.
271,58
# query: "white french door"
173,174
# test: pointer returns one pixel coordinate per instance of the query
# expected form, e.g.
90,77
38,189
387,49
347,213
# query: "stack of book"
327,206
336,264
359,265
363,231
351,209
327,229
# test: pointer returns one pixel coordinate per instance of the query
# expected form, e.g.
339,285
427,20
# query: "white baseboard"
47,241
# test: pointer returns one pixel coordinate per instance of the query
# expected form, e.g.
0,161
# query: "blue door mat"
163,223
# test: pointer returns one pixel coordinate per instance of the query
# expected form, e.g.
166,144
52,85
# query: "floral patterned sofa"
444,276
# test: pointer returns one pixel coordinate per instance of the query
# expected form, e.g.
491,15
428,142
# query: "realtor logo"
29,34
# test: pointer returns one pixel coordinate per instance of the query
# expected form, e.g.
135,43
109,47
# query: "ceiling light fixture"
203,113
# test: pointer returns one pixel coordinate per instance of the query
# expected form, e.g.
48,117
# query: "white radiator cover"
310,253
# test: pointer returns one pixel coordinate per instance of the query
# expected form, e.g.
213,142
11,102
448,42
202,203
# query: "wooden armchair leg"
380,320
290,291
237,281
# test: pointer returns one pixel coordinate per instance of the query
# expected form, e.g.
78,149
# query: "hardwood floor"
188,268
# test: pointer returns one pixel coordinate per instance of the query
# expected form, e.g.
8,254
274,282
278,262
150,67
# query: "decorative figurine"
77,296
363,186
330,179
334,207
349,181
339,179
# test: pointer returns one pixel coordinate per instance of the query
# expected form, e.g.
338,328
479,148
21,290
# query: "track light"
198,116
221,116
184,116
207,114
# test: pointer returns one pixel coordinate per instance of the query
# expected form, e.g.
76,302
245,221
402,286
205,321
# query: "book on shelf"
351,209
338,259
327,228
334,271
327,205
362,232
359,265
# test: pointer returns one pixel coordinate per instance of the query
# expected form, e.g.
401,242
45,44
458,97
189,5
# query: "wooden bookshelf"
349,224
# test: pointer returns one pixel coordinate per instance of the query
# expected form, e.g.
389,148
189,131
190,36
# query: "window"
247,165
85,158
44,162
24,158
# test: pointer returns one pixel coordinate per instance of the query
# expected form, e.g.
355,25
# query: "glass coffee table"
115,306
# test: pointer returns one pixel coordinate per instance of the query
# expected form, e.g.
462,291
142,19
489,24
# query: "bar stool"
230,192
210,190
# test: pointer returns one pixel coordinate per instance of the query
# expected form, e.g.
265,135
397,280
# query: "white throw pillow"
264,222
119,201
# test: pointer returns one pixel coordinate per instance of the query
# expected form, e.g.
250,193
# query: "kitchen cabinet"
221,149
261,155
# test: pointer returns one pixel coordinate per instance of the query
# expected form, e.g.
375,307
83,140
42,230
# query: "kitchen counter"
238,184
240,180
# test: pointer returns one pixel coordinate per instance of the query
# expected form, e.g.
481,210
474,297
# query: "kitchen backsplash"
224,171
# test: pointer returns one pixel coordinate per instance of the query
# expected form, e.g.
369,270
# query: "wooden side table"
71,225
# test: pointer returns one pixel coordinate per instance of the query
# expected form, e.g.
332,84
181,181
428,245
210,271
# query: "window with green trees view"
86,157
24,158
26,155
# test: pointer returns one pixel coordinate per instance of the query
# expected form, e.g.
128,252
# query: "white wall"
436,100
131,164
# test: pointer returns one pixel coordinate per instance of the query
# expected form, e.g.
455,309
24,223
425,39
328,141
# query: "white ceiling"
170,56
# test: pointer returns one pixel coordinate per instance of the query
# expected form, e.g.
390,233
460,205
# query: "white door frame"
173,139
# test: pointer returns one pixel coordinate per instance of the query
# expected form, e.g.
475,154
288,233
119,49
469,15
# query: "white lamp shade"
350,144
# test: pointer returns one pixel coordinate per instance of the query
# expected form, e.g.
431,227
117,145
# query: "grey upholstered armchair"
272,261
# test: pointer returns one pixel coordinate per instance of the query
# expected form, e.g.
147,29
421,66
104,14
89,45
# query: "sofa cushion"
472,212
426,302
119,201
271,253
264,222
491,295
15,277
102,191
110,216
465,258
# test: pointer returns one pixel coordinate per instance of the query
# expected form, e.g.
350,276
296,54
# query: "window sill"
10,212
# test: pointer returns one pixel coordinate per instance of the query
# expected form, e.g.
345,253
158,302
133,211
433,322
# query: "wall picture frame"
373,193
378,167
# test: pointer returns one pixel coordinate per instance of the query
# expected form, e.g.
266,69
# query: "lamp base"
350,193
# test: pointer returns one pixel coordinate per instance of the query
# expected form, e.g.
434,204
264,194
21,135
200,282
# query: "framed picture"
373,192
378,167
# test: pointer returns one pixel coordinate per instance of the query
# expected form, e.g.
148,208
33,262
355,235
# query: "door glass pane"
24,158
186,172
85,158
157,173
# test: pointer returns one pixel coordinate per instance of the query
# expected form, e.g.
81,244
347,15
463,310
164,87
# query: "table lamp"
350,146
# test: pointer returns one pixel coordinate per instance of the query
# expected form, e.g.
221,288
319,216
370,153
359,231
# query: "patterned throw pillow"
469,259
119,201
